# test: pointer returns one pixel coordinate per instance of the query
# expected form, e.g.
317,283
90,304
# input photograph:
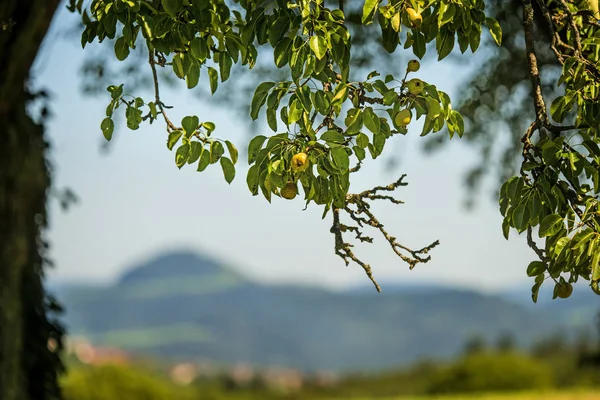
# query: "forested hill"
187,306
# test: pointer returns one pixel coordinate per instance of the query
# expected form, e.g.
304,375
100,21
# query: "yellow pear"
415,86
414,17
594,7
299,162
413,66
289,191
403,117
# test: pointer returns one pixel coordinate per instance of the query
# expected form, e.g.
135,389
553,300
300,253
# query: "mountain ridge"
186,306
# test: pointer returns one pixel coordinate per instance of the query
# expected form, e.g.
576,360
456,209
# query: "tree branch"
362,215
152,62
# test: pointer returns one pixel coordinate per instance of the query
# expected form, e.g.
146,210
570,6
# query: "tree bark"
24,181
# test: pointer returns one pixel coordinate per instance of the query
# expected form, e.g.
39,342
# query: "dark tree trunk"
28,369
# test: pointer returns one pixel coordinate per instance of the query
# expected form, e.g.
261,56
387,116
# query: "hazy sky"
135,203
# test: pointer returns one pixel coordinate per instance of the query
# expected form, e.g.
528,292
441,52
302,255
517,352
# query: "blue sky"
135,203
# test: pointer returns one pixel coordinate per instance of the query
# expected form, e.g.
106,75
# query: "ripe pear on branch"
415,86
299,162
594,7
414,17
413,66
403,117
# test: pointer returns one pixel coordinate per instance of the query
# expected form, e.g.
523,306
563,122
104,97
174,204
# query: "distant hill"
188,306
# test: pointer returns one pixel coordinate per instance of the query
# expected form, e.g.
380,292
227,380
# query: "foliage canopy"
327,120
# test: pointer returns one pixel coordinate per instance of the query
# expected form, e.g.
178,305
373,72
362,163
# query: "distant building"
95,355
283,379
184,373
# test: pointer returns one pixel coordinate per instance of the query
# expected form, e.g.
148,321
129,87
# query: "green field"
550,395
148,337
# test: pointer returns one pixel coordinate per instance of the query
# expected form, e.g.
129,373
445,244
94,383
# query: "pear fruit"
414,17
564,290
403,117
289,191
413,66
299,162
594,7
415,86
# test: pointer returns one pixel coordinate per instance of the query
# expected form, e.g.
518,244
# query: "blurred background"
177,285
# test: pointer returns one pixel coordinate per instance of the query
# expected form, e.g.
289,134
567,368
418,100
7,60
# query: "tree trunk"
28,370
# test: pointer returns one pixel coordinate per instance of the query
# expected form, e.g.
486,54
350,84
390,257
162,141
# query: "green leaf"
360,152
340,159
419,46
252,179
390,39
581,238
333,136
475,37
378,143
192,77
318,45
535,290
521,216
209,126
446,13
596,265
233,153
174,137
495,30
254,147
225,63
216,151
321,102
340,95
195,151
272,118
204,159
278,29
182,154
551,225
558,108
390,98
303,94
535,206
463,42
172,7
506,227
295,112
259,98
199,48
444,43
115,91
178,66
213,77
281,53
121,49
371,120
535,268
190,124
369,11
108,126
353,121
550,153
459,123
515,186
228,169
362,140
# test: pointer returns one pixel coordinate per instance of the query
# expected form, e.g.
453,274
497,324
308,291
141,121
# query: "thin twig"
152,62
534,73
